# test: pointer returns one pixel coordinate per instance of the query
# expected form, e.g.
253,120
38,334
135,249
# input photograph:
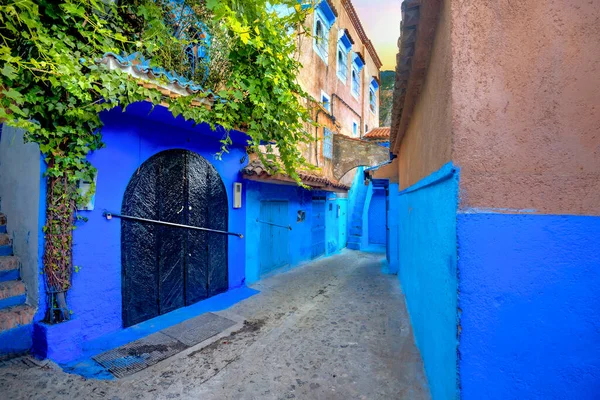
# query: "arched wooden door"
163,267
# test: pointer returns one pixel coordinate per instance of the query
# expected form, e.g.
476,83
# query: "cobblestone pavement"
336,328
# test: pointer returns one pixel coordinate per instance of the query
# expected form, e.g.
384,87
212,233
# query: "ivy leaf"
9,71
13,94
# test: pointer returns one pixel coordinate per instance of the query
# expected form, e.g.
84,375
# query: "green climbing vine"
54,85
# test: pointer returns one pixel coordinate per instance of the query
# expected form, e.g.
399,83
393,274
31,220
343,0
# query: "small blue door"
318,226
274,240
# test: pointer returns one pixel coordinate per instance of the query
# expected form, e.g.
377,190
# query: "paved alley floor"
336,328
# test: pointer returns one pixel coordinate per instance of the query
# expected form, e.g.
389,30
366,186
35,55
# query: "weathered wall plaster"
526,104
427,143
530,306
427,243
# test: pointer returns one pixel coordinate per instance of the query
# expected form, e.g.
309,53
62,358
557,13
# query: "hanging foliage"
54,84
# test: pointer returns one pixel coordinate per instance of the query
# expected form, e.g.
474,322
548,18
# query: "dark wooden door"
164,267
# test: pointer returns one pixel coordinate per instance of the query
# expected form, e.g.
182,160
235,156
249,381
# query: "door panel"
140,255
318,226
171,240
197,241
217,244
274,240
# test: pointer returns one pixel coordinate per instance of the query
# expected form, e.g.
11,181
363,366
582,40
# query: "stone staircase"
356,219
14,312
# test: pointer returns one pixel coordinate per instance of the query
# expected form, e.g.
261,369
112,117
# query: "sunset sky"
381,20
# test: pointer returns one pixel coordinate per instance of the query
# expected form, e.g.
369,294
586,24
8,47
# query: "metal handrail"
270,223
109,216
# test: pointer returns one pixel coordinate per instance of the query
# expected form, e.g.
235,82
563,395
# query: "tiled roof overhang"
419,20
378,133
168,83
361,31
255,170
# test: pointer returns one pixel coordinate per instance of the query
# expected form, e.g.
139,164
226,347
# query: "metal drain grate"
197,330
143,353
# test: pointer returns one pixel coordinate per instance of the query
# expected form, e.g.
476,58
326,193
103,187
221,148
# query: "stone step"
4,239
9,268
11,289
12,293
15,316
8,263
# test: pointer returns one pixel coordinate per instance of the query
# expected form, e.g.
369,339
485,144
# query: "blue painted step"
6,250
13,301
356,231
353,246
354,239
9,268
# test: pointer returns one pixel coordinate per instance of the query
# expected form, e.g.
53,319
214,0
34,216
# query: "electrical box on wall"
237,195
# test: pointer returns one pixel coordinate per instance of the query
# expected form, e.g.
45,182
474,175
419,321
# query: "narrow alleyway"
333,329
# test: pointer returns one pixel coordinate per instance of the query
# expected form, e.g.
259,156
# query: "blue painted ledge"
447,171
88,368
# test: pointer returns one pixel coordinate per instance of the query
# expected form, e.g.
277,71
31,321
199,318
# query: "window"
324,19
343,48
373,94
327,144
342,65
366,128
326,101
355,129
372,100
357,66
355,82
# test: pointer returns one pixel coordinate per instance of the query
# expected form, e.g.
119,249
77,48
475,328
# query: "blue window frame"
343,48
373,94
327,143
326,101
324,19
357,66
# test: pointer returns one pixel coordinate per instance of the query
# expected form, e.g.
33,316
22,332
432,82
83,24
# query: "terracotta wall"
427,143
526,104
316,75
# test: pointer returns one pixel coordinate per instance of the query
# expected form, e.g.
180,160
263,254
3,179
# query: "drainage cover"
141,354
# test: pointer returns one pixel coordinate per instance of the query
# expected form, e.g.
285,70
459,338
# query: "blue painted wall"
130,140
335,223
530,300
393,242
377,217
427,262
299,236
